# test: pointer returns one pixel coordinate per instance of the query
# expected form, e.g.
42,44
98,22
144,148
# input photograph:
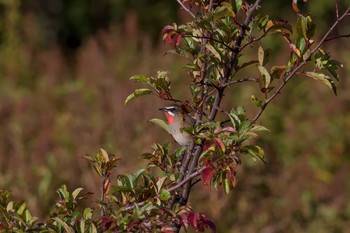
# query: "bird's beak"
162,109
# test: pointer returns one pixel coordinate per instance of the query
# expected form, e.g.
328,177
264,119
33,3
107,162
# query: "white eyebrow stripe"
170,113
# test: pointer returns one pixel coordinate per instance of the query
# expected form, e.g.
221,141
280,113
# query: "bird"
178,119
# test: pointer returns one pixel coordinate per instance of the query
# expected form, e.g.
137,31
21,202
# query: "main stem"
228,71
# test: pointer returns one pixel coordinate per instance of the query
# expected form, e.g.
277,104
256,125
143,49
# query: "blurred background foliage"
64,69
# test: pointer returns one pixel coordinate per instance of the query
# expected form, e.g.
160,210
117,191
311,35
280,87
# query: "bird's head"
172,112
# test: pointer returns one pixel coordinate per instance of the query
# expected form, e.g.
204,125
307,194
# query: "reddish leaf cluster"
198,221
171,36
107,223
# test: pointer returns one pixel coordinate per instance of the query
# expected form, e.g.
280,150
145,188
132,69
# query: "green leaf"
257,102
28,217
215,180
164,195
225,10
129,181
261,56
97,169
301,45
265,74
217,54
236,5
67,228
21,208
278,71
323,79
262,22
254,151
62,191
180,152
87,214
302,26
9,206
82,225
161,124
92,228
140,78
332,66
190,66
76,192
225,182
137,175
137,93
259,128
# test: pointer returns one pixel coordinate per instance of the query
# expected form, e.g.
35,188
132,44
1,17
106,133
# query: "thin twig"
253,40
128,208
241,80
336,9
103,193
187,179
337,37
211,38
210,5
186,9
296,69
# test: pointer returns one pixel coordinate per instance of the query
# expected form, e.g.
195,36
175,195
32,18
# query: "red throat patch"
170,118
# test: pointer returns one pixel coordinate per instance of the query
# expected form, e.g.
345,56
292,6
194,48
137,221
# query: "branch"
131,207
337,37
199,148
241,80
186,9
296,69
234,55
187,179
253,40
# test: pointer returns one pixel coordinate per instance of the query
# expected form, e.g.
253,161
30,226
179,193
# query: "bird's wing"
189,121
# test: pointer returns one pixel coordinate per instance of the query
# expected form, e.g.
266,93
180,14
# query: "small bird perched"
178,119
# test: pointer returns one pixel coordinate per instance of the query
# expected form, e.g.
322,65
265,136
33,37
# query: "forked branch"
303,63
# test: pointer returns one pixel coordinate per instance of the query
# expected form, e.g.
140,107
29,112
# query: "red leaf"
228,129
193,219
208,223
207,173
184,220
177,40
198,221
171,36
220,144
168,37
167,29
207,145
106,222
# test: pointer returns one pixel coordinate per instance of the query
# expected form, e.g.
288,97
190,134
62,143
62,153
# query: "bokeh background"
64,69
